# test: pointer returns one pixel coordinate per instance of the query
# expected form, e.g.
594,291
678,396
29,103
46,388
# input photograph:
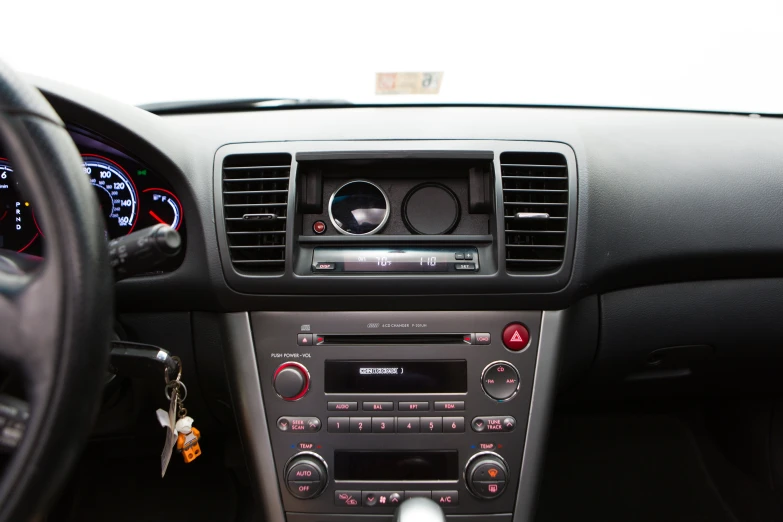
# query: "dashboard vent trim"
535,210
255,211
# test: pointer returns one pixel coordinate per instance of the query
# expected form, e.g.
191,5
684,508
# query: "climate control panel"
366,409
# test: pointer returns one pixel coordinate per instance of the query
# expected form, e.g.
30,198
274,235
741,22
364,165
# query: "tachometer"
117,194
18,229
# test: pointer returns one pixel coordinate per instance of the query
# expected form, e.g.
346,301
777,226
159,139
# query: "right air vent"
535,206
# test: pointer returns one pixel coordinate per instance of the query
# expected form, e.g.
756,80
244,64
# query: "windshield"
665,54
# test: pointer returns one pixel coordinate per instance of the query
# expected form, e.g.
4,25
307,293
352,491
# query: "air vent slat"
255,210
537,183
257,167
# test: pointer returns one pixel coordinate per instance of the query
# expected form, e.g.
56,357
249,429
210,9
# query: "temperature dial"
291,381
163,206
306,475
486,475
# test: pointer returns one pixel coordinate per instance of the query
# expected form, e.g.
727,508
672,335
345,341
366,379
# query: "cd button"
304,339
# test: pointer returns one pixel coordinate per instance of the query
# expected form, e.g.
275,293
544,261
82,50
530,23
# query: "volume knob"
291,381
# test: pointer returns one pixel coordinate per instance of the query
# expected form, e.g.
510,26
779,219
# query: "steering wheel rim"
55,322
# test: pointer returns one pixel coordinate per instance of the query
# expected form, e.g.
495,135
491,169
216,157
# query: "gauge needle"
157,217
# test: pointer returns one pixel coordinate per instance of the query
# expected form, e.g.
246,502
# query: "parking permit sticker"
408,83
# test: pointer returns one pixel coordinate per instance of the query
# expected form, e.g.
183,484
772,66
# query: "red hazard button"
516,337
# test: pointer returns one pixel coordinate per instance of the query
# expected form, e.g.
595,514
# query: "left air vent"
255,210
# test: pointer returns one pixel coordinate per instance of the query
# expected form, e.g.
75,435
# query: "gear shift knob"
419,510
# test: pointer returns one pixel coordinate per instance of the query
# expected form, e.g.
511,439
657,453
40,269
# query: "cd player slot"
394,339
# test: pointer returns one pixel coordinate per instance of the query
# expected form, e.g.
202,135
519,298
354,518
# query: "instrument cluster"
131,196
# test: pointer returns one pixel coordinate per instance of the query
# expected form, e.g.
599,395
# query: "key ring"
179,370
180,386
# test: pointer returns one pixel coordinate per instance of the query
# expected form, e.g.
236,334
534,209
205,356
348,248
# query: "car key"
180,432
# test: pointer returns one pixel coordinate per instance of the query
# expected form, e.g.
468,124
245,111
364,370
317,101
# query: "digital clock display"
394,261
410,260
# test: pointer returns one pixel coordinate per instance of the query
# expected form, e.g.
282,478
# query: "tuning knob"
306,475
486,475
291,381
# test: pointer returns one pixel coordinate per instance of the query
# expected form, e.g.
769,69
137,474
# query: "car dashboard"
389,300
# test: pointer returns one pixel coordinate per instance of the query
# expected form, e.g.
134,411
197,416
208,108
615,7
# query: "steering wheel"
55,321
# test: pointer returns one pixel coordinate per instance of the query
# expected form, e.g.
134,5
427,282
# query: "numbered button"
408,425
338,425
383,425
454,425
431,424
361,425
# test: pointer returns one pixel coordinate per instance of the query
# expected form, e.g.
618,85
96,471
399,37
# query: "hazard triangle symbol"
516,337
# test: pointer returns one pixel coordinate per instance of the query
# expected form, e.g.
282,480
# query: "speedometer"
117,194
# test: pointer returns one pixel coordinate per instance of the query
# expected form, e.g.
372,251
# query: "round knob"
486,475
306,475
291,381
500,381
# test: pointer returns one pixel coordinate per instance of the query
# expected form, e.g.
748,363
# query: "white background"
669,54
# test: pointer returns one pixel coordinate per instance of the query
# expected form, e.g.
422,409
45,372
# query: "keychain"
180,431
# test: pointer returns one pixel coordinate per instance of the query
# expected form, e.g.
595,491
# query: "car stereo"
366,409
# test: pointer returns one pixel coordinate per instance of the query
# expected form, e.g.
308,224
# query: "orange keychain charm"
187,440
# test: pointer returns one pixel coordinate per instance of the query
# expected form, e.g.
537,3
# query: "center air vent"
535,206
255,204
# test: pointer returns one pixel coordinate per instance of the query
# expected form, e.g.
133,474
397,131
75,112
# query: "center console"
366,409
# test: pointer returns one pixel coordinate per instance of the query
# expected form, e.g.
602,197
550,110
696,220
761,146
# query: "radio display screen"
395,261
393,466
408,260
396,376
